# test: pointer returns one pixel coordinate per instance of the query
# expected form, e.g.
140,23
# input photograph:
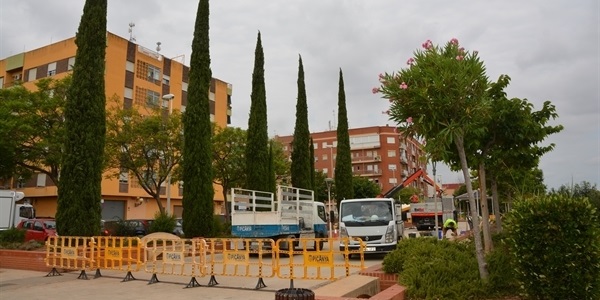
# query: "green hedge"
555,241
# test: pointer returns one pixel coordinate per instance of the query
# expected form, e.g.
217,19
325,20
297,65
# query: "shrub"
12,235
555,241
163,222
434,269
123,228
502,278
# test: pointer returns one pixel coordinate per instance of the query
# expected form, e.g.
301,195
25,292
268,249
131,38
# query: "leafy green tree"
281,162
363,188
271,176
312,163
580,190
343,162
146,144
79,191
440,97
301,173
514,135
198,192
229,163
257,155
407,192
32,128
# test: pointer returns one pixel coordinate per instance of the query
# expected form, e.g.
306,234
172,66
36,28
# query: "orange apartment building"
379,153
137,75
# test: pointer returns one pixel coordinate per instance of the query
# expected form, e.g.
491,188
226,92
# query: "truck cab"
376,221
11,212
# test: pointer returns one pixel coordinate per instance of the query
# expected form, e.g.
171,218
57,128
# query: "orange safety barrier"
317,258
175,256
69,253
232,257
118,253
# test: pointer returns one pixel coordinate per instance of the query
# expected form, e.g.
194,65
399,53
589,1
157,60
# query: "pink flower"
403,85
459,57
380,76
375,90
387,112
427,45
461,50
409,120
454,41
410,61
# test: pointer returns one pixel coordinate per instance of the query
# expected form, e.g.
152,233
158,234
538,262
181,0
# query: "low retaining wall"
23,260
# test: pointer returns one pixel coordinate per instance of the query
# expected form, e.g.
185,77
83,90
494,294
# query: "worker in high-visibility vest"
450,224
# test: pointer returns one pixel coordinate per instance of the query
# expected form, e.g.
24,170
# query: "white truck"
423,213
12,213
376,221
293,214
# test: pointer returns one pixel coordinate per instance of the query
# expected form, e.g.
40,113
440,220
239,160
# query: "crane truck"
12,213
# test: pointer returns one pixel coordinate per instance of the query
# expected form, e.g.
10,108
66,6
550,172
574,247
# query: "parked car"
38,229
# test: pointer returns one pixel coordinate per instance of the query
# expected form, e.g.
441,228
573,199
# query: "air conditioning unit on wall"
17,77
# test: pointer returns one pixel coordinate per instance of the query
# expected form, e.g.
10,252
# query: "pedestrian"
450,224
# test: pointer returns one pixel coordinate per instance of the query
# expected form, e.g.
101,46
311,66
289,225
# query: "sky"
550,49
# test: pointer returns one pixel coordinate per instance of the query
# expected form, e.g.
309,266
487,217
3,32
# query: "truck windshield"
26,212
365,213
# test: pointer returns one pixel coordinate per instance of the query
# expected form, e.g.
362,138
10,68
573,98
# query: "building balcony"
367,172
365,159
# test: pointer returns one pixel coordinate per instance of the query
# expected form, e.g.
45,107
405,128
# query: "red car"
38,229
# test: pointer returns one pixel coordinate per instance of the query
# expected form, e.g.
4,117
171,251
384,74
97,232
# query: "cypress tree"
79,192
257,156
300,169
343,163
198,192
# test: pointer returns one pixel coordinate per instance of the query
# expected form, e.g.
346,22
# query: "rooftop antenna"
131,38
158,46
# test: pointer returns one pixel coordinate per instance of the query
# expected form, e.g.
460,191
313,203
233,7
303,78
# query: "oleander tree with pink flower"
440,96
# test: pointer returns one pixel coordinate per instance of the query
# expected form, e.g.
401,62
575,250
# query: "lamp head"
168,97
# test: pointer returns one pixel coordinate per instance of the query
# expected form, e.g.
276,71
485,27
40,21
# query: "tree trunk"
227,206
485,213
496,205
483,272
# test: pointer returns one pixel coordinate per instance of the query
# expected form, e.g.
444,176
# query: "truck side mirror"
331,215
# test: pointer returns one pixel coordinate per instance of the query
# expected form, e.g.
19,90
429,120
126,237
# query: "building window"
324,145
391,153
325,171
52,69
152,98
315,146
41,180
166,80
148,72
325,157
71,63
32,74
391,140
393,181
124,176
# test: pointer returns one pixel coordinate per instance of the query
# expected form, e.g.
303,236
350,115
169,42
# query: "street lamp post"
331,157
329,181
169,98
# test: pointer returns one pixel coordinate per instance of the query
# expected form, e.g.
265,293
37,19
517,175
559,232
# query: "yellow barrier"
317,262
69,253
175,256
232,257
305,258
118,253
